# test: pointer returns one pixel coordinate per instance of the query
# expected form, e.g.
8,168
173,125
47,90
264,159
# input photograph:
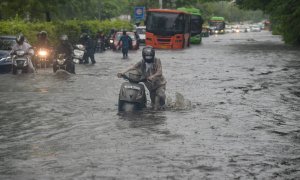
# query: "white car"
255,29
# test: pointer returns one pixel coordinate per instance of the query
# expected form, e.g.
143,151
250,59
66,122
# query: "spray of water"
180,102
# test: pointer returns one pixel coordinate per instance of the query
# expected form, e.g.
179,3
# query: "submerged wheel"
14,70
54,69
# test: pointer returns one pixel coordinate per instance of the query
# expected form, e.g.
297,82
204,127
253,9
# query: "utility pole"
160,4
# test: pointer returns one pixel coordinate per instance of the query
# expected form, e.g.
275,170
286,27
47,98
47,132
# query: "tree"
284,15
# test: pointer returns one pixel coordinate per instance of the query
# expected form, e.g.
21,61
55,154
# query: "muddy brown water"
242,123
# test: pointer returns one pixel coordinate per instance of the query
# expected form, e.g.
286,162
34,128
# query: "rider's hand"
150,78
120,75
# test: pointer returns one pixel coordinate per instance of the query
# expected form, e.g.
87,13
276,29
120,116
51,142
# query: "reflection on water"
143,119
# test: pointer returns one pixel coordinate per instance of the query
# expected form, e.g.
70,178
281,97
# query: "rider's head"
43,34
63,38
148,54
124,32
20,39
84,36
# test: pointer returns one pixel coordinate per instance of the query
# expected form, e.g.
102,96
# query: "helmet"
148,54
84,36
43,34
20,39
63,38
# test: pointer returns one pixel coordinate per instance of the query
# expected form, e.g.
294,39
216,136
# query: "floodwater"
241,122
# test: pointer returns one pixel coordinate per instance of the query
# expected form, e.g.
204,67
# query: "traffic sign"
139,13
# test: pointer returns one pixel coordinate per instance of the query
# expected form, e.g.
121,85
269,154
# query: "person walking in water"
126,42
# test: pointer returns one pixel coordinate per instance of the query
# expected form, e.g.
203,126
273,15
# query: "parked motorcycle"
132,94
78,52
20,61
62,63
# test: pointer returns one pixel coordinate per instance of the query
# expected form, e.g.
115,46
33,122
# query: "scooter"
78,52
61,63
132,94
20,62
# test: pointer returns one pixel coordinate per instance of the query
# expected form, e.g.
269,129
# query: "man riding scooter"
21,45
151,68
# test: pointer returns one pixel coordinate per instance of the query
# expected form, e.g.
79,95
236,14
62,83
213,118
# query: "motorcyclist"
151,68
26,47
87,41
126,43
43,42
65,47
101,37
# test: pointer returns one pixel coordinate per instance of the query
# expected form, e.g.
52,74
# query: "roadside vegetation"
76,15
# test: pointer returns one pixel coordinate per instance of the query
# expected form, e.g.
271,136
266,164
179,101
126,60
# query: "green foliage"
284,15
229,11
73,28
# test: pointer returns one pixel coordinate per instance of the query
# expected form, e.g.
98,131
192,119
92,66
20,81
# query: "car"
255,28
116,38
6,43
141,31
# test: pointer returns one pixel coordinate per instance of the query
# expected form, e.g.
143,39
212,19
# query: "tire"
54,68
120,106
14,70
25,70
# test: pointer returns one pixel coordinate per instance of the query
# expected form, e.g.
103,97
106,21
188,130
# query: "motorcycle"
100,45
43,58
61,62
78,52
132,94
20,61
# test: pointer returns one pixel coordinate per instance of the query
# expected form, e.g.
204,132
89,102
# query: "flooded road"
242,123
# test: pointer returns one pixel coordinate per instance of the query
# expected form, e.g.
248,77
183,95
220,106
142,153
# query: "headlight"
61,61
43,53
217,31
111,41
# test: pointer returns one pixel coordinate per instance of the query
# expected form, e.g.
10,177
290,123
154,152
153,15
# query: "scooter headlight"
111,41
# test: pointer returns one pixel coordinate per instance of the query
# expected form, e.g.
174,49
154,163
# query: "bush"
73,28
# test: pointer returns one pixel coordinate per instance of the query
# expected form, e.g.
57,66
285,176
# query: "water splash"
180,102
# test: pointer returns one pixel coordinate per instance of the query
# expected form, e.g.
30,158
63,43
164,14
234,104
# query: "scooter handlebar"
124,76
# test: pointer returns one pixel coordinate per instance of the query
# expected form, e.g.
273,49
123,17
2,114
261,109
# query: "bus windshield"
196,24
217,24
165,23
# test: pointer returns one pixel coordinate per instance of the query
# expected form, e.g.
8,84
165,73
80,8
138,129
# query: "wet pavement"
242,121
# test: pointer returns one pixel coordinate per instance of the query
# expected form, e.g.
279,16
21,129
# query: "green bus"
217,25
196,24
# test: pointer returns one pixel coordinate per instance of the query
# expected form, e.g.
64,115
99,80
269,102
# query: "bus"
217,25
168,29
196,24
